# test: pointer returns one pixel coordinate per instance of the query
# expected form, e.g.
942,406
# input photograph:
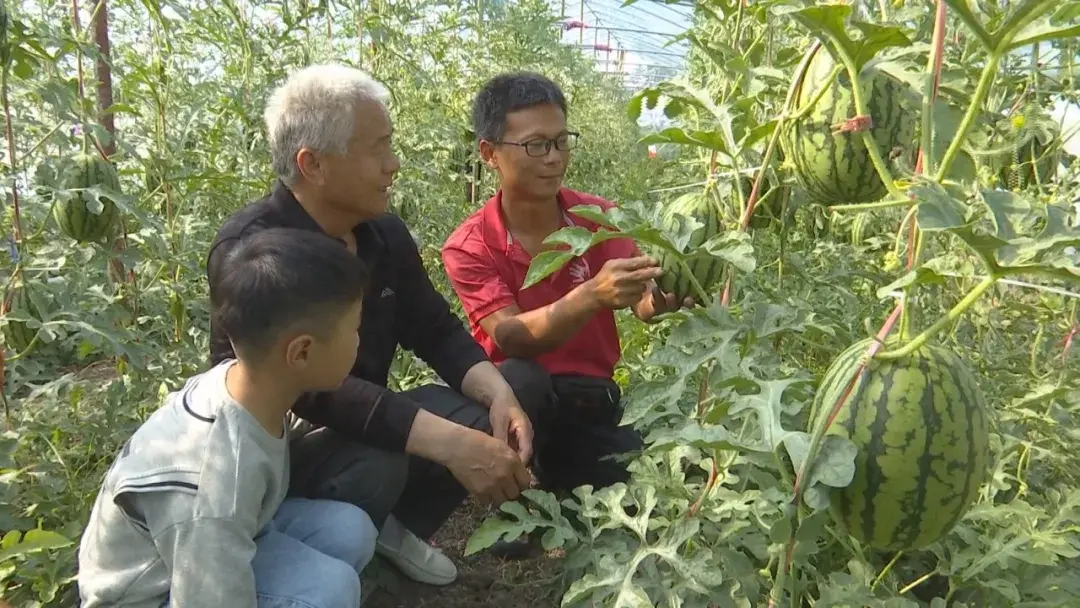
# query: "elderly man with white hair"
408,459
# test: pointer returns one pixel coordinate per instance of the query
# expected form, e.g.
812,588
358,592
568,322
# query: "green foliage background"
189,80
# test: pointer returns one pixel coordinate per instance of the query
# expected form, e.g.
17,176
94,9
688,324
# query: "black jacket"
401,306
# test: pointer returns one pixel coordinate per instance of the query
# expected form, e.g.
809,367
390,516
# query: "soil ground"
484,581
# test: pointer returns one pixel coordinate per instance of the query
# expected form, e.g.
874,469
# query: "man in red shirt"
566,323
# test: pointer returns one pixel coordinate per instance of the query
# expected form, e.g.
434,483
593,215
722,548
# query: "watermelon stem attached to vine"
954,313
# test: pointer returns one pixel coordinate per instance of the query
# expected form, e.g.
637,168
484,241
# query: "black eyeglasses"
541,147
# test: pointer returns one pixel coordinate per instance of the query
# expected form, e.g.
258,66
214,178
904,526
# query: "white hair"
314,109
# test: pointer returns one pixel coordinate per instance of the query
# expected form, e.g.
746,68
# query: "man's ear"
298,351
310,166
487,153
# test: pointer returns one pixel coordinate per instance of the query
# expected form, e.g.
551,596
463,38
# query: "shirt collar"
495,232
284,202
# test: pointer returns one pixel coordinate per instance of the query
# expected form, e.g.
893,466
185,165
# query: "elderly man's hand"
510,425
488,468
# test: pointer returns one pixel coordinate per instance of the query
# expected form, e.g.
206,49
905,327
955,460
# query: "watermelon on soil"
836,168
922,430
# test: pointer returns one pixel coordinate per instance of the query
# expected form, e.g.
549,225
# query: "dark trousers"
568,443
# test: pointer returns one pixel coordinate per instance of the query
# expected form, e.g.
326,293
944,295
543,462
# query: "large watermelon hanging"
920,423
835,167
73,213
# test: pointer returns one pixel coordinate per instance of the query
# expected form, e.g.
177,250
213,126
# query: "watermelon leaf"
693,434
876,38
830,22
937,209
923,275
674,135
1007,210
734,248
835,464
545,264
767,406
654,399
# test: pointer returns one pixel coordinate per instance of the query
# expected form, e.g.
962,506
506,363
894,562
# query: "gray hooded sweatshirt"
180,508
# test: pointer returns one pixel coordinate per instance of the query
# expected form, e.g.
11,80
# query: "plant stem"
885,570
922,579
983,88
953,314
698,289
877,206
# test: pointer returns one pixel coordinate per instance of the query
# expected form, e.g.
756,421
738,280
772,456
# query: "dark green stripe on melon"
836,169
705,268
921,427
73,212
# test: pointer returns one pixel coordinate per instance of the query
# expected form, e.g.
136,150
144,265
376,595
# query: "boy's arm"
209,559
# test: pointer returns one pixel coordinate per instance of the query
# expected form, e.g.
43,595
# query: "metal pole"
581,32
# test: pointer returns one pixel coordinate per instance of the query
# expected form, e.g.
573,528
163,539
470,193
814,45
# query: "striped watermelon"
17,335
73,212
921,427
707,269
836,169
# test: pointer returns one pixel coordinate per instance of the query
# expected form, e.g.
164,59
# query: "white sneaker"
416,559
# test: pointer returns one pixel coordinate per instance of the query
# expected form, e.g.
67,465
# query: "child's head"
290,301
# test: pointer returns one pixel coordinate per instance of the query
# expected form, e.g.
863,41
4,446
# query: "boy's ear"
298,351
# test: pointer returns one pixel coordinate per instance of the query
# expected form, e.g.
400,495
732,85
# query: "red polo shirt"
487,268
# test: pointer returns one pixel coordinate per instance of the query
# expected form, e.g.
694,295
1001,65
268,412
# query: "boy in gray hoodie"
193,511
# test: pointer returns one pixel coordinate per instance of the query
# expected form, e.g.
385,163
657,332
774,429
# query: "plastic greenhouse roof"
636,40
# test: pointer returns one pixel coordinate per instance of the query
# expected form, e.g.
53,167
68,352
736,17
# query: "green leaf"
937,209
733,247
835,463
491,531
646,99
684,91
767,406
544,265
673,135
876,38
1054,237
653,399
578,238
33,541
923,275
713,437
593,213
830,22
